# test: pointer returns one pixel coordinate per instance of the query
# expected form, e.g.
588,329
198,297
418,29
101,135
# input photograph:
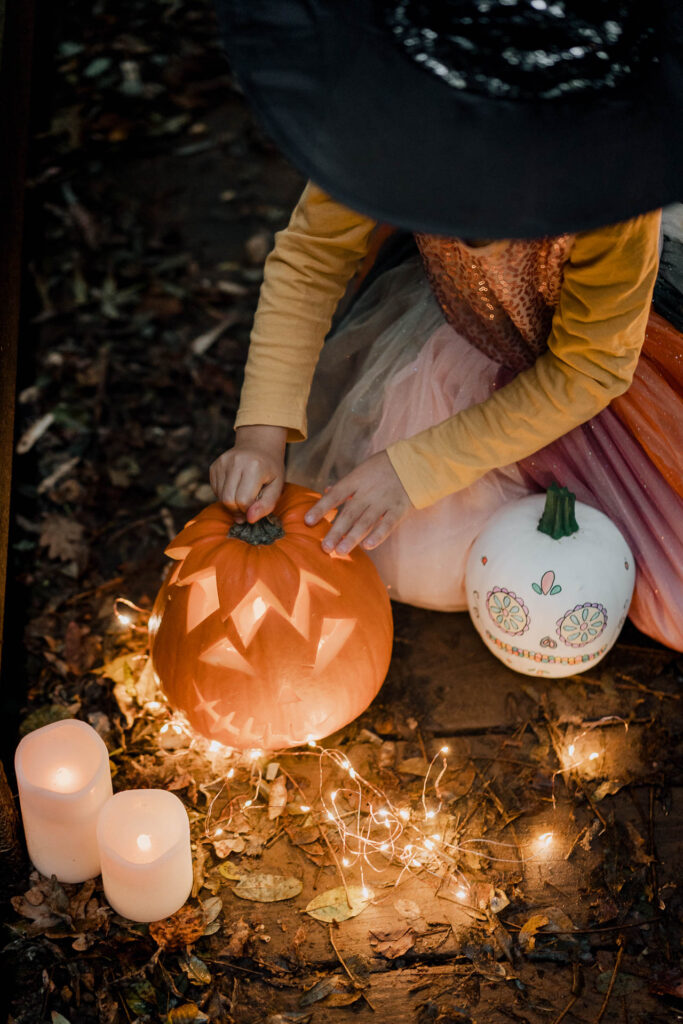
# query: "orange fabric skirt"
652,408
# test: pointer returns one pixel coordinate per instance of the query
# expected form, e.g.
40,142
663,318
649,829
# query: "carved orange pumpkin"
260,637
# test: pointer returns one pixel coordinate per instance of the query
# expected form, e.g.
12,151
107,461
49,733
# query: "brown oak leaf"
63,538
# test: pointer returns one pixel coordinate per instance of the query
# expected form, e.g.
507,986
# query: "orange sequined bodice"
501,297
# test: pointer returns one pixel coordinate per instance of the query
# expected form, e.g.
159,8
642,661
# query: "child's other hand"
374,502
249,477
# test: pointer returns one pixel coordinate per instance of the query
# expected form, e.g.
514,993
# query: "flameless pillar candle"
144,840
64,780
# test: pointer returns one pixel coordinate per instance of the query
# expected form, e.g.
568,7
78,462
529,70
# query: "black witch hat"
477,118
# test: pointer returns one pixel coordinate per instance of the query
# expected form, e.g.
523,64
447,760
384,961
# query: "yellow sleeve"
304,279
596,336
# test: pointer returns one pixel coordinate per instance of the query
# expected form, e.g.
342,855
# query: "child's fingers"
251,481
332,498
227,491
226,487
265,501
345,521
381,532
363,525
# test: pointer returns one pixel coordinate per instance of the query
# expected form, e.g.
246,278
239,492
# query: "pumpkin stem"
263,531
558,519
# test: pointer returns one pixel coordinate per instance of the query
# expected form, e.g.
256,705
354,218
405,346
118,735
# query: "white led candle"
64,780
144,841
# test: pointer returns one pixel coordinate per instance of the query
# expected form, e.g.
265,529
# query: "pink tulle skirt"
395,367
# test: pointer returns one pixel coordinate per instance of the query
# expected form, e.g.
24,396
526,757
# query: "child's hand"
249,477
374,502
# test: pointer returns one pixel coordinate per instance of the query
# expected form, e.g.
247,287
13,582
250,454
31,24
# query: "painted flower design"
547,584
507,611
582,624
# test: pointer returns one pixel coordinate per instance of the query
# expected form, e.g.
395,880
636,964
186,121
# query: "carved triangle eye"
202,602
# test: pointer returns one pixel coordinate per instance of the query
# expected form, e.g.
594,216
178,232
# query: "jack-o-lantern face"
265,644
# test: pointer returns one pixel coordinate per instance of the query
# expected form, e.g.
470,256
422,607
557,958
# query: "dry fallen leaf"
63,538
264,888
527,934
340,904
332,989
188,1013
393,943
233,872
239,933
195,969
35,431
277,798
198,862
181,929
231,844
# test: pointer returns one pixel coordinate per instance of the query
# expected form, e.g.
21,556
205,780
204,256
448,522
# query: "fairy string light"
571,749
373,832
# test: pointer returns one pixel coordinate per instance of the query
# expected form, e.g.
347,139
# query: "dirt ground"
153,200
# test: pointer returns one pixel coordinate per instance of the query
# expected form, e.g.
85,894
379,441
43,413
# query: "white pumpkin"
549,596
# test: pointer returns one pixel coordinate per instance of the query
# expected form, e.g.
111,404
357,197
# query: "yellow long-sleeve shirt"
595,340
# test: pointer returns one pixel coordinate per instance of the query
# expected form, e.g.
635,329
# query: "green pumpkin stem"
263,531
558,519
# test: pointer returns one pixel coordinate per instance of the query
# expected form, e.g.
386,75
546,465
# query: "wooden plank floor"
445,688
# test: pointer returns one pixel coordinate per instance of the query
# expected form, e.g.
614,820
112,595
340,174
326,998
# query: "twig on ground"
354,980
610,987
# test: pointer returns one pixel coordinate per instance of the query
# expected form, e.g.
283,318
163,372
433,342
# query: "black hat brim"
391,140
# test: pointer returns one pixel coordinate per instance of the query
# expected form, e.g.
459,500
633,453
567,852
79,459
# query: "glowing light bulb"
430,814
593,756
333,795
429,844
404,814
153,705
444,750
215,746
383,813
346,764
255,754
366,893
345,861
165,728
144,842
436,836
310,740
384,847
330,816
572,748
231,773
352,773
305,807
248,803
64,780
218,832
124,619
461,893
545,839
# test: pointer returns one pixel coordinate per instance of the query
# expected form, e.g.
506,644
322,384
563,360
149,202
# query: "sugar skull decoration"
260,637
548,594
